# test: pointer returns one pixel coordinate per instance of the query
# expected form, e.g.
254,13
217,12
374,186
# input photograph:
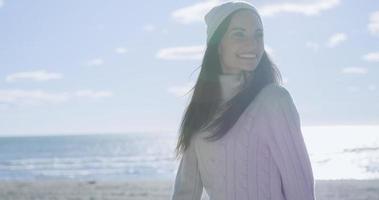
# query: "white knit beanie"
218,13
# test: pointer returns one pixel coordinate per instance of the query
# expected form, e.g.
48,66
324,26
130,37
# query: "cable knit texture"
263,156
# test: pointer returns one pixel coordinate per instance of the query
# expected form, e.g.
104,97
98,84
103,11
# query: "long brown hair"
206,94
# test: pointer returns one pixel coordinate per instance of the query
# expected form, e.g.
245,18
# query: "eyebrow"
242,29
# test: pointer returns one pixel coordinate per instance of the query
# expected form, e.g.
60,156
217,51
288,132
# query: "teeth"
247,55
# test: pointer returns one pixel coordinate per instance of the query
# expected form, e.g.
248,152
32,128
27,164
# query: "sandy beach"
158,190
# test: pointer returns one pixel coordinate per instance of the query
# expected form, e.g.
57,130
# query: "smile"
247,56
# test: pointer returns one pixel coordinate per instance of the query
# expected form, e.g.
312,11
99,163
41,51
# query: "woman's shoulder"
273,92
269,96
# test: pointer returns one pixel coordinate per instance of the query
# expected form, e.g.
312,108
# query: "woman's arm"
286,143
188,184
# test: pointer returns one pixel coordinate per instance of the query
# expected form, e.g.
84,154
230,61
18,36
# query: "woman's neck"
230,85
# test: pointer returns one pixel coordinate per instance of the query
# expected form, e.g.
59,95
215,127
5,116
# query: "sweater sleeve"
287,147
188,184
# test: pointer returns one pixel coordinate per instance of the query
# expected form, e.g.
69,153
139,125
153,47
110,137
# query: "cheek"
229,56
230,53
232,59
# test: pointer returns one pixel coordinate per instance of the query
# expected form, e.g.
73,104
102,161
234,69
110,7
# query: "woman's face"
242,47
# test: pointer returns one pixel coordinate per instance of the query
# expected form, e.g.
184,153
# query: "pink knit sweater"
263,157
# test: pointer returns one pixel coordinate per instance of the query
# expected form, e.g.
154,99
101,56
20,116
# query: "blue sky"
123,66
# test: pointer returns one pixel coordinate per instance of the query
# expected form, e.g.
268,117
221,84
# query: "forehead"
246,19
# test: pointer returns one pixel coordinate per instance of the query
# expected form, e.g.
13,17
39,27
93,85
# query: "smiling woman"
242,46
240,136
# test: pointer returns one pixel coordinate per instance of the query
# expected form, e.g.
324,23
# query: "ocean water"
343,152
335,152
88,157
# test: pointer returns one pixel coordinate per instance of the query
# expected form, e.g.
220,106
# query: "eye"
238,34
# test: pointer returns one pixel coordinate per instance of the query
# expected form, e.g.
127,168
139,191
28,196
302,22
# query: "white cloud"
308,9
312,45
95,62
354,70
40,97
93,94
149,28
181,53
152,28
1,3
371,87
336,39
196,12
193,13
39,75
371,57
31,97
181,91
121,50
373,25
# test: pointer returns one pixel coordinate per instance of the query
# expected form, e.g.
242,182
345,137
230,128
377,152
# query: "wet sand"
158,190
